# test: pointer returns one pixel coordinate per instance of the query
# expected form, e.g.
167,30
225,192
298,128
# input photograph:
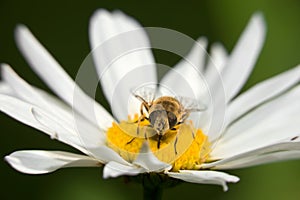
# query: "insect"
165,112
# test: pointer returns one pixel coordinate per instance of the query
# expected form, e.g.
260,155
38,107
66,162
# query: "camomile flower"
231,131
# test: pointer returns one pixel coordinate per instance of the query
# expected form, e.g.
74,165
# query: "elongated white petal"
106,154
89,140
5,89
290,144
216,62
20,87
92,142
258,160
210,118
186,78
270,123
56,128
23,112
243,57
213,97
123,58
264,135
56,120
90,135
114,169
262,92
147,160
41,162
197,55
58,80
205,177
26,92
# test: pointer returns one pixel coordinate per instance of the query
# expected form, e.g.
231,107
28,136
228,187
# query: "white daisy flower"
260,126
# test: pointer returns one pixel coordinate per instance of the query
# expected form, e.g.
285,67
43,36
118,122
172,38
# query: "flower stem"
154,184
152,192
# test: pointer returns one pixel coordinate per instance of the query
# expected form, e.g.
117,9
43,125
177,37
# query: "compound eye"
154,115
172,119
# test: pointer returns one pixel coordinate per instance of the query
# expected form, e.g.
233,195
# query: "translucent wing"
148,94
191,105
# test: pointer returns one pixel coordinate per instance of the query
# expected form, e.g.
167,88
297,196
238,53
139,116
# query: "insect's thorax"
170,104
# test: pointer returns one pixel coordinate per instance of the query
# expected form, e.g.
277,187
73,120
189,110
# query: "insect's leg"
192,130
158,142
175,145
193,133
145,135
142,117
131,140
136,137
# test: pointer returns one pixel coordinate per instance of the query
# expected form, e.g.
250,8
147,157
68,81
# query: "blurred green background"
62,27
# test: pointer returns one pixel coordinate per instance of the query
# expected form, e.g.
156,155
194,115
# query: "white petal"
262,155
57,119
196,55
58,80
41,162
53,126
262,92
106,154
123,58
22,89
82,135
244,56
208,89
5,89
147,160
258,160
87,135
114,169
90,135
216,62
205,177
270,123
186,78
212,119
89,139
23,112
263,159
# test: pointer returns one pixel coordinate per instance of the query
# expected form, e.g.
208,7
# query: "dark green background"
62,27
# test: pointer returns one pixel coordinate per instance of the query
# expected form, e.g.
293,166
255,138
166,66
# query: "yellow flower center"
183,148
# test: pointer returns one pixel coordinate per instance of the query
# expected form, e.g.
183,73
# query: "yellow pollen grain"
184,148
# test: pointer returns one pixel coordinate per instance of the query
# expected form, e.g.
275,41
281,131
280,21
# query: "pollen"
184,148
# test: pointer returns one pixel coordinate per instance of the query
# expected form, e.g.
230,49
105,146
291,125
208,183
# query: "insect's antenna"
140,98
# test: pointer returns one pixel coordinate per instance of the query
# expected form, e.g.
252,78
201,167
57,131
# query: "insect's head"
161,120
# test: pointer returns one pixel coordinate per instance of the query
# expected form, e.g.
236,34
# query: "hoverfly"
164,112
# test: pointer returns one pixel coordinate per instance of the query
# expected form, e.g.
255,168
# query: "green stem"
152,193
154,184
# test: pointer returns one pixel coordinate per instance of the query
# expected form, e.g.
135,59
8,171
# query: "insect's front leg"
142,117
159,140
175,145
177,128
